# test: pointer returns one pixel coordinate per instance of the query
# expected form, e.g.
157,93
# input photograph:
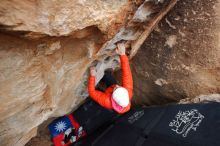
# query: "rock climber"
115,97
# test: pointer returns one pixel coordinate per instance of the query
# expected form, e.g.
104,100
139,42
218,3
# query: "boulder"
47,47
181,57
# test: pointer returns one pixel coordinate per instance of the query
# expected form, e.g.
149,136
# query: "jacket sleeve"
127,81
98,96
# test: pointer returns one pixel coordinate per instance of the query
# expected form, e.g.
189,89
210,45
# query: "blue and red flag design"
59,126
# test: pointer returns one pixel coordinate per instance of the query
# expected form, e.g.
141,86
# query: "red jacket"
104,98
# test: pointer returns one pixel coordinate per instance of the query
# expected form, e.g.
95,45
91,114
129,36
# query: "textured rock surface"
201,99
57,17
181,58
46,48
38,79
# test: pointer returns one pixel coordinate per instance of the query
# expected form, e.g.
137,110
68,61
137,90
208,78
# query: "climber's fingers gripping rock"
93,71
120,49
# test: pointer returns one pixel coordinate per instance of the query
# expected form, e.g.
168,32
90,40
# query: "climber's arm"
98,96
127,81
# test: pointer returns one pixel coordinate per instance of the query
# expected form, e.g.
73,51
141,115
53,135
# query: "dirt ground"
179,59
43,136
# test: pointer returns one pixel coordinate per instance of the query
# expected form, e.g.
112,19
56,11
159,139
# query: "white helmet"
120,96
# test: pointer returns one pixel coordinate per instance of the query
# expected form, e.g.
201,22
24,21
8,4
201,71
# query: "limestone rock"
57,18
47,47
181,58
201,99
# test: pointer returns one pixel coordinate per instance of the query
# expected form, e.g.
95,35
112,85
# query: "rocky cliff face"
181,57
47,47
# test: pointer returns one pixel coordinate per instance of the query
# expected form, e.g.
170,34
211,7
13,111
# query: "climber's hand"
92,71
120,49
